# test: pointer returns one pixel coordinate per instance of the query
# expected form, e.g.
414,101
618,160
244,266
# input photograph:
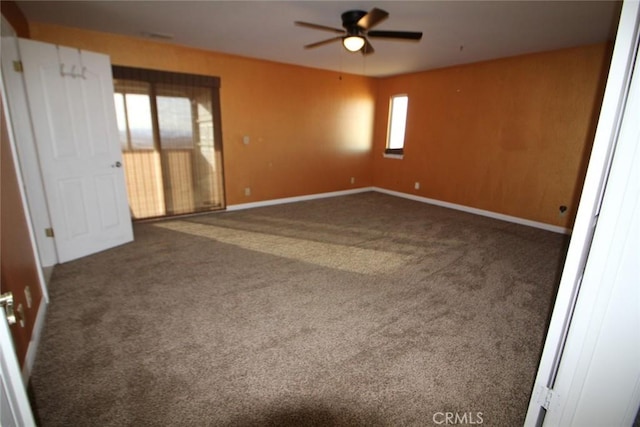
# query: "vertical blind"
169,127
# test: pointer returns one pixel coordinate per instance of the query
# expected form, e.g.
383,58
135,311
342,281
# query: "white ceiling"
454,32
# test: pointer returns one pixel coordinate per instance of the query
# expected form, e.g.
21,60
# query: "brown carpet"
358,310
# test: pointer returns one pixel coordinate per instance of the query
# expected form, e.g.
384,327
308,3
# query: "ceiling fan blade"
373,18
320,43
318,27
367,48
405,35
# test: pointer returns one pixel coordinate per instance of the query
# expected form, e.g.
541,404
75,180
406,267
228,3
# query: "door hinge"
17,66
48,232
547,398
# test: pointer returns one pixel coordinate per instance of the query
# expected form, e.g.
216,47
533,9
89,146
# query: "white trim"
13,393
36,333
272,202
390,120
476,211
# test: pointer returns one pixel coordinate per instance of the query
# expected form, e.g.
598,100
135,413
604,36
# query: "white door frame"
28,166
570,293
13,395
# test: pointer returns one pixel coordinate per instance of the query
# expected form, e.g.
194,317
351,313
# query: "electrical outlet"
246,140
353,180
416,186
247,191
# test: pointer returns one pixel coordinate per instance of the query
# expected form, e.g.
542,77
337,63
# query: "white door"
15,410
589,372
70,95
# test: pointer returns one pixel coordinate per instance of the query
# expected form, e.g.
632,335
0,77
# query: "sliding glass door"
170,135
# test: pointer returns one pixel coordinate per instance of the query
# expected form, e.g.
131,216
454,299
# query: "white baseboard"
476,211
32,350
272,202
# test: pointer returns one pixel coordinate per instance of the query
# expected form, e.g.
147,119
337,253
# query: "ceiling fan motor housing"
350,21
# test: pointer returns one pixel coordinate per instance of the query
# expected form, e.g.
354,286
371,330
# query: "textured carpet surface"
358,310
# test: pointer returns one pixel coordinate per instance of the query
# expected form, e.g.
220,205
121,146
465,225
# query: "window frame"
397,153
128,145
168,83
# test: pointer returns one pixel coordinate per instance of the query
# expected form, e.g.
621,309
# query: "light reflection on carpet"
341,257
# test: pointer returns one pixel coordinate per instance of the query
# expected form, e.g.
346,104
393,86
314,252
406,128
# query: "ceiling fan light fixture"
353,43
357,26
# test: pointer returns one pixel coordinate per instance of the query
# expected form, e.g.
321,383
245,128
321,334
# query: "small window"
397,124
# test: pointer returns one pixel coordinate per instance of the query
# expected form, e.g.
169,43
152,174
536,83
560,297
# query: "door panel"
75,212
94,100
108,188
62,135
70,94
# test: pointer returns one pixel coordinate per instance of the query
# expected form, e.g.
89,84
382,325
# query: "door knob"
116,165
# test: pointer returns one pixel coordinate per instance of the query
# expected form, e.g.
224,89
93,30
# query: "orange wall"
510,136
310,130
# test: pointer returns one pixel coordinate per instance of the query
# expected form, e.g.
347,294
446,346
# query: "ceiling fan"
357,26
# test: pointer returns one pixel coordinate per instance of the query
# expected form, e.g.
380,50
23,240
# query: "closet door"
70,96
